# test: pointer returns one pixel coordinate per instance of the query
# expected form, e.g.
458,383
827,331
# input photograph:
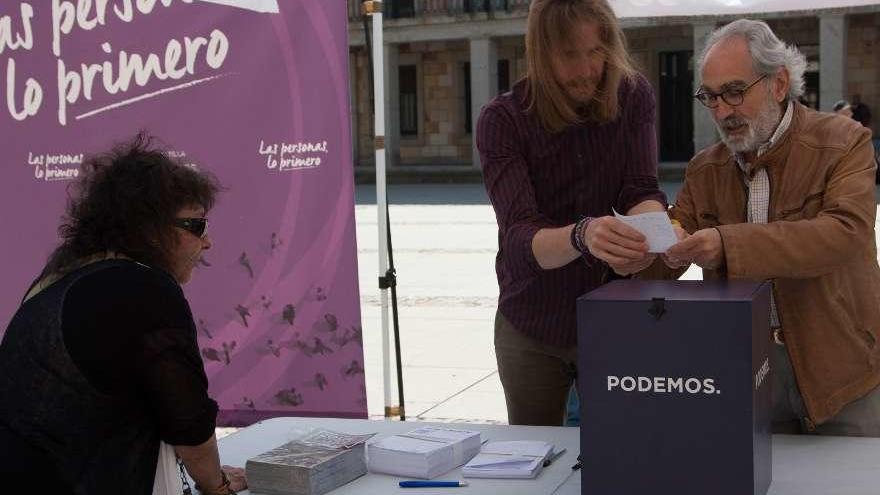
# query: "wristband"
223,489
577,235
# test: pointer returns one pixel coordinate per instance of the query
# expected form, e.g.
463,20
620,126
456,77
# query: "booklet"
515,459
423,453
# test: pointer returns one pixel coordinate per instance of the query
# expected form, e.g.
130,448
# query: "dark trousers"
536,377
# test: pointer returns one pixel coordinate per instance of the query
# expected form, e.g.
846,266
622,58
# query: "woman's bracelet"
225,487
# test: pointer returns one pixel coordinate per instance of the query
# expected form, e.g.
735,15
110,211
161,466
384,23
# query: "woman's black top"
127,374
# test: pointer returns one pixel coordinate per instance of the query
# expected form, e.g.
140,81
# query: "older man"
788,195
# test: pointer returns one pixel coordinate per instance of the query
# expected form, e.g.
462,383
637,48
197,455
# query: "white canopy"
662,8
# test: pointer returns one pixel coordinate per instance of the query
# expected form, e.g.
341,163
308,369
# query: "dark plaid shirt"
537,179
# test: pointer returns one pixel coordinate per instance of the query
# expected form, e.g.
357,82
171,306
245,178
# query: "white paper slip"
516,459
655,226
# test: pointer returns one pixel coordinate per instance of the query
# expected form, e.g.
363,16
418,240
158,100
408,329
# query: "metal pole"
374,10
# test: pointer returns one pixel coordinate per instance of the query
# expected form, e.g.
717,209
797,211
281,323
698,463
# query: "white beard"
758,130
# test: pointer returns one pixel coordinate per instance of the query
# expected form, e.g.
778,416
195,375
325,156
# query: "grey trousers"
860,418
536,377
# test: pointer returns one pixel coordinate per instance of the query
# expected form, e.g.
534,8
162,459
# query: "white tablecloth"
802,465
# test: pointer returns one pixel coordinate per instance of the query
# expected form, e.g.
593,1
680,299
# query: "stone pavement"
445,239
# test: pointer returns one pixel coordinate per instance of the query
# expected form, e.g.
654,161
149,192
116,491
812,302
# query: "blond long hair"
552,23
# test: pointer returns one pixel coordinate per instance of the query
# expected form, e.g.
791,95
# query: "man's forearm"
552,247
645,207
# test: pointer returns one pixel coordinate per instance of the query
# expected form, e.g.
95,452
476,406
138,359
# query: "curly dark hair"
125,202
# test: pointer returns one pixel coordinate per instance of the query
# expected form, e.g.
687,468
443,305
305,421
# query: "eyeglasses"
733,97
195,226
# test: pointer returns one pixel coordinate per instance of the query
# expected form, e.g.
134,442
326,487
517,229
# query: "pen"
553,457
431,484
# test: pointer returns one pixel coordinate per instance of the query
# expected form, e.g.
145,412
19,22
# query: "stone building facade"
446,58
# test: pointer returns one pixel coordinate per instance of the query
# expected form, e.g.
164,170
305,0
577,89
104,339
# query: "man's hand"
615,242
704,248
681,235
634,266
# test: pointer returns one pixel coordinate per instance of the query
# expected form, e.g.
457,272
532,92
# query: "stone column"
392,106
484,81
704,128
832,60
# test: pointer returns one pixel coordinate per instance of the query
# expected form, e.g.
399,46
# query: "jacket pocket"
861,333
808,208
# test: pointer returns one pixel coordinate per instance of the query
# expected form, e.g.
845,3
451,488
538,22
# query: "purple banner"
256,91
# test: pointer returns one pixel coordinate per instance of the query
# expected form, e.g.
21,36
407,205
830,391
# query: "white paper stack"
318,463
423,453
516,459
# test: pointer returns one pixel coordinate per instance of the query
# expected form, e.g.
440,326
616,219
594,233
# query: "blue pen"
431,484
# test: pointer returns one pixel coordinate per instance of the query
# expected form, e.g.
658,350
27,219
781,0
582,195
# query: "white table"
237,448
802,465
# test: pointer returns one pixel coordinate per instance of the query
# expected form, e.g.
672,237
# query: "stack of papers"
517,459
315,464
423,453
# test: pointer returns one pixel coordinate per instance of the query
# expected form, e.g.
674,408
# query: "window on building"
402,8
503,87
811,76
503,76
473,6
467,97
409,98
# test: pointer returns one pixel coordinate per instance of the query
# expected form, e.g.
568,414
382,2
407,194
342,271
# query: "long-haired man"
573,140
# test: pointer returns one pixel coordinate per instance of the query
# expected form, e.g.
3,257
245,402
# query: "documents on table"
655,226
515,459
423,453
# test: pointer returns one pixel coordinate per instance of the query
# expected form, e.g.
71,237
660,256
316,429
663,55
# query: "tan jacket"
818,246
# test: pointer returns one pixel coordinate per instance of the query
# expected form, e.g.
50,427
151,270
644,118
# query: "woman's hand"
237,478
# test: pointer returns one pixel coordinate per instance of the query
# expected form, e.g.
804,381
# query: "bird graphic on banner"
269,348
288,314
321,348
203,327
289,397
328,323
243,313
246,263
212,354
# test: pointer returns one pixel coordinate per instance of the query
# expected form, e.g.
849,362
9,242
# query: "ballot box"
675,388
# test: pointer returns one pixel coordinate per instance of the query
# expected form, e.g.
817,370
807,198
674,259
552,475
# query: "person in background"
861,111
573,141
842,107
99,367
787,196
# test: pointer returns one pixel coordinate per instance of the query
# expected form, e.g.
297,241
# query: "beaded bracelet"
577,235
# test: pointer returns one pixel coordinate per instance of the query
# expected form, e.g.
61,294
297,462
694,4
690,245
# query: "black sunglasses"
195,226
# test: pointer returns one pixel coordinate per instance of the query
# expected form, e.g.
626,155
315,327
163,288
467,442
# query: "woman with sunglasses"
102,389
